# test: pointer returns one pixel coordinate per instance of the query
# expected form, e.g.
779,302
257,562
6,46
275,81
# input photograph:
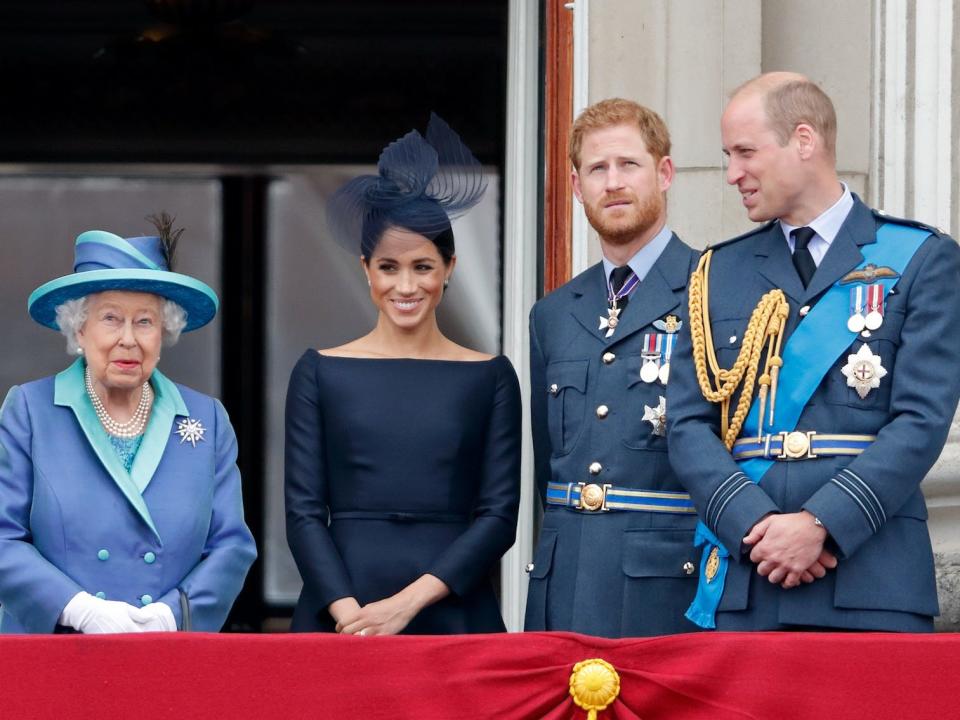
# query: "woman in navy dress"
402,447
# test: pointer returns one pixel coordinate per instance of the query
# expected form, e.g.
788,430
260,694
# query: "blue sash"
819,339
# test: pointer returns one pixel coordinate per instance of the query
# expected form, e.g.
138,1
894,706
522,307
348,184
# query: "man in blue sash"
817,388
615,555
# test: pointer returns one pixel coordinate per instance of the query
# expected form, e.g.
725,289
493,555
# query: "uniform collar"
645,257
829,222
70,391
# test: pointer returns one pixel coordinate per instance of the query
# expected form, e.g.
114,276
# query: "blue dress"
396,468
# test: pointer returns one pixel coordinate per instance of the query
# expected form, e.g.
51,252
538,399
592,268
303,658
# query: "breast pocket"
883,344
566,391
727,340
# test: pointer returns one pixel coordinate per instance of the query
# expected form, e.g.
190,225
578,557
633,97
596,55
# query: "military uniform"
605,564
890,394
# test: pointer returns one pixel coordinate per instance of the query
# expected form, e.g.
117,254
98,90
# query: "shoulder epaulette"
749,233
887,218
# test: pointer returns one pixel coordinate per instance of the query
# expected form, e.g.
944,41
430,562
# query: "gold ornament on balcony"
594,684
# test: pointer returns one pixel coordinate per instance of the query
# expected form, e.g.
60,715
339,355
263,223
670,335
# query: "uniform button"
688,568
102,595
554,389
146,599
149,558
602,411
529,568
608,357
103,555
733,339
595,468
804,310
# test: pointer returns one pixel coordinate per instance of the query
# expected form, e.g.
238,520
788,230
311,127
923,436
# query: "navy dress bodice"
396,468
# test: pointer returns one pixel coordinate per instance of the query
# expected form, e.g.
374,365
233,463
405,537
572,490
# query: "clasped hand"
383,617
788,549
92,615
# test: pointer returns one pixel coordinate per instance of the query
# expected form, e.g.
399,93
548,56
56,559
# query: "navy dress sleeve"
306,490
493,530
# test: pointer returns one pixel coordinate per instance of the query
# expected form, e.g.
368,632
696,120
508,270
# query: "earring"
79,350
446,284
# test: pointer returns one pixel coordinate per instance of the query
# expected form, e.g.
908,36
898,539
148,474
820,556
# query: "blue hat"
104,261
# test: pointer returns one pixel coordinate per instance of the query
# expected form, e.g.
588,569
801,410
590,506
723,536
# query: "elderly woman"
120,505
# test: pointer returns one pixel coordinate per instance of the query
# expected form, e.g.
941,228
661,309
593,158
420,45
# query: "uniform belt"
592,497
800,445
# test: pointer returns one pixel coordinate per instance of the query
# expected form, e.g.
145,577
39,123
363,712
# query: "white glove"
91,615
155,617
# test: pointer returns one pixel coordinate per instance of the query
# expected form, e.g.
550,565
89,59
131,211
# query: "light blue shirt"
826,225
645,256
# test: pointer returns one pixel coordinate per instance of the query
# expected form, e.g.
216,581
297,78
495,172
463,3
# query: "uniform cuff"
736,506
848,510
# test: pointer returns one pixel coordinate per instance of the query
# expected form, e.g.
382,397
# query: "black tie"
802,259
617,278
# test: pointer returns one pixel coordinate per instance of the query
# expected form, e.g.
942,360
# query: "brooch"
190,431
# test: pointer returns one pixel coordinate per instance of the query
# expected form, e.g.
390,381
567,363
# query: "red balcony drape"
762,676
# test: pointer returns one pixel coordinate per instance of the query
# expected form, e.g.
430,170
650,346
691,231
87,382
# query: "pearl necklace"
132,427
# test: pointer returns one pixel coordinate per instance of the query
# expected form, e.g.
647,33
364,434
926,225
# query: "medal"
857,321
657,417
669,340
874,317
610,322
863,371
652,345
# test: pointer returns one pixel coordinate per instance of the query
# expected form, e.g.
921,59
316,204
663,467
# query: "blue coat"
72,518
616,573
875,514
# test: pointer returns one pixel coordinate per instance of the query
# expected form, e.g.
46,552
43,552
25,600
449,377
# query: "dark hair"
443,241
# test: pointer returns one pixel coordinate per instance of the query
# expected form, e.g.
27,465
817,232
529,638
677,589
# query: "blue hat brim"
195,297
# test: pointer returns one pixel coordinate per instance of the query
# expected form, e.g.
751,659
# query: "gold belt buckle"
593,497
797,445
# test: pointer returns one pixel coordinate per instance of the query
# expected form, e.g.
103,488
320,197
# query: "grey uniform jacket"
616,573
871,504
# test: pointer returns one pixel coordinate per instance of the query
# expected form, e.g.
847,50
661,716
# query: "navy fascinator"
421,185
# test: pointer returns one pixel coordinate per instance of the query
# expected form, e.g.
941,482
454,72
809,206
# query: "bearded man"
614,557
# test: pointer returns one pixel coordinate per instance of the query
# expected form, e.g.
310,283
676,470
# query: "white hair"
72,314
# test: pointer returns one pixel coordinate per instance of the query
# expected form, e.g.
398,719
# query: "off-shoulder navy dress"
396,468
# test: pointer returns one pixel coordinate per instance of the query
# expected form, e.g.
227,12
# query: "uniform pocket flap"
543,558
567,374
659,553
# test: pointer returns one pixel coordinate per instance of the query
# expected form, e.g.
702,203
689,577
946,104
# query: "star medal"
190,431
857,321
670,324
668,341
874,317
610,322
657,417
863,371
652,348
